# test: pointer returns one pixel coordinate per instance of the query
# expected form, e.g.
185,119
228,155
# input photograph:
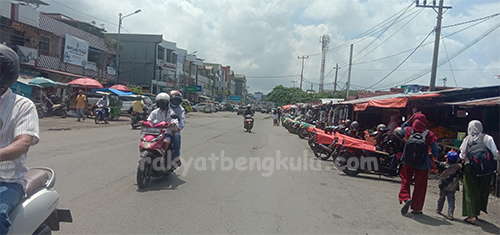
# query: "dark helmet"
354,125
175,98
399,132
9,67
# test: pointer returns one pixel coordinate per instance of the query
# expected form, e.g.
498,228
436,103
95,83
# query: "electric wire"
455,54
470,21
402,62
449,62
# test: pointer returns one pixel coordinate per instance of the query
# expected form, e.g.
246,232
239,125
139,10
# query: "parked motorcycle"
248,123
101,115
152,161
135,117
37,211
49,109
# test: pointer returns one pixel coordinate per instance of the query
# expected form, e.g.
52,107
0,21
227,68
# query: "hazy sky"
262,39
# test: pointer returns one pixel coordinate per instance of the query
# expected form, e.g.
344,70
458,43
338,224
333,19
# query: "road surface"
275,185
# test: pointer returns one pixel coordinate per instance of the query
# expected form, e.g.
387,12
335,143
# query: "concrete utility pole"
311,86
336,72
302,72
432,86
349,76
325,40
293,82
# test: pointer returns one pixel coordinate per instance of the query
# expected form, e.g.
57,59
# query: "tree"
286,95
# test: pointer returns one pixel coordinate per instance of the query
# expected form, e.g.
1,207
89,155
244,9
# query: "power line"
458,52
273,76
402,62
470,21
449,62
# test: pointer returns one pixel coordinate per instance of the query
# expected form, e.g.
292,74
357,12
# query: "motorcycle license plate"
151,131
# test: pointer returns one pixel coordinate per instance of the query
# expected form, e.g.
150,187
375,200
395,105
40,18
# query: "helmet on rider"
9,67
354,125
348,122
380,127
138,98
248,107
175,98
162,100
399,132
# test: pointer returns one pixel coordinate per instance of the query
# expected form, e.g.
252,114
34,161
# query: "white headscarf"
473,132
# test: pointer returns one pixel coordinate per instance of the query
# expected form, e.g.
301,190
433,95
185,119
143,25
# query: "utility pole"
432,86
311,86
325,40
302,72
293,82
336,72
349,76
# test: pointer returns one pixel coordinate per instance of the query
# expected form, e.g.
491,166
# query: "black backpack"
480,158
415,150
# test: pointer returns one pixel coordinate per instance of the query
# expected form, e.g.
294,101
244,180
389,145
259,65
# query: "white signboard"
76,51
27,55
111,70
91,65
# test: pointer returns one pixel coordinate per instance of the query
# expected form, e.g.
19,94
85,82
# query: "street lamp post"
118,43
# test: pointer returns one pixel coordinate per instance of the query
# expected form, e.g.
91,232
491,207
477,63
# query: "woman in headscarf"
476,188
392,124
420,173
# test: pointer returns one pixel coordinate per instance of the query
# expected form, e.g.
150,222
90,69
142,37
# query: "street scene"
249,117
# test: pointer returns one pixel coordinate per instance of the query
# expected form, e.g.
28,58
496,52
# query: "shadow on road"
373,176
485,226
427,220
170,182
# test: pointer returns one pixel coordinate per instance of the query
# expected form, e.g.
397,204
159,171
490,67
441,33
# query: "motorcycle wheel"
64,114
290,129
342,162
303,133
144,174
96,119
321,154
106,120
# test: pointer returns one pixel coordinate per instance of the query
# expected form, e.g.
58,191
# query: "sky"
264,38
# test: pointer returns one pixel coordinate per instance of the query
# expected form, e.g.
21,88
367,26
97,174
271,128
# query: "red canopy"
287,106
121,88
343,140
398,102
88,82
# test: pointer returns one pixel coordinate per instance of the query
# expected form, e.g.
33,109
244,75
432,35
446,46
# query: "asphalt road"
96,170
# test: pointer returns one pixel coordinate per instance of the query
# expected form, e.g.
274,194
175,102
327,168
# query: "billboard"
257,96
76,51
234,98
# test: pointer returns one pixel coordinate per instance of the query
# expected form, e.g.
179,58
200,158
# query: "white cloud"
264,38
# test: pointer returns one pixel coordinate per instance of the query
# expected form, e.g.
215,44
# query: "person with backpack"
416,164
480,154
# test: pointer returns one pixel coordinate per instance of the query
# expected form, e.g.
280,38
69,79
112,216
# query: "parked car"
200,107
127,101
186,105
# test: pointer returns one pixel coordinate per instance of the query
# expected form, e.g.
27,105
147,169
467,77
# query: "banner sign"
27,55
234,98
76,51
191,89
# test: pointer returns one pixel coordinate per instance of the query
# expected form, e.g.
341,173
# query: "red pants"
418,197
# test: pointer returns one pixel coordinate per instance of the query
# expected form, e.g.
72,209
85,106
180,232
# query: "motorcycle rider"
104,101
18,131
248,111
163,113
354,131
139,107
175,105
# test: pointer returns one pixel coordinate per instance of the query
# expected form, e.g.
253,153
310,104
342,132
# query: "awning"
60,72
115,91
492,101
340,139
389,101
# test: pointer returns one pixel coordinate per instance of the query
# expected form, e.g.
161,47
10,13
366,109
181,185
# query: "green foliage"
136,90
286,95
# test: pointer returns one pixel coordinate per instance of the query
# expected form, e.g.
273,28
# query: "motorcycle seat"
36,179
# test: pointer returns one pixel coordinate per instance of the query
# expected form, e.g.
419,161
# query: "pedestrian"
80,105
18,131
416,164
392,124
449,182
476,188
279,116
275,117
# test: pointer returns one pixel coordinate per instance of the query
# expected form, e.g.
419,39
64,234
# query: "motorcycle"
248,123
37,211
135,117
152,161
101,114
49,109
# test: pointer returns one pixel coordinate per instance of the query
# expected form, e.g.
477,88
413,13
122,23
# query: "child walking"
449,183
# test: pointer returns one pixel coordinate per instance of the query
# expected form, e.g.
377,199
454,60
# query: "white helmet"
163,96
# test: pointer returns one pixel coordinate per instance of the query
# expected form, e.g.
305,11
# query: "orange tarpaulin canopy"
398,102
343,140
